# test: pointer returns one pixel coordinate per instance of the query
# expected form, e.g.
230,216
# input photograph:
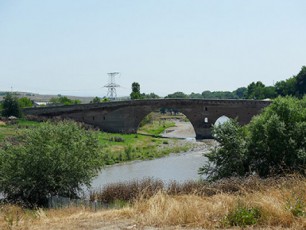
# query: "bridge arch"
173,115
125,116
222,119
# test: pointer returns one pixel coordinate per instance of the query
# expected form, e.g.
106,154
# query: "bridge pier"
125,116
205,135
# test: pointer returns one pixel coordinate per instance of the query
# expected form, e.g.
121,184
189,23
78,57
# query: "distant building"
40,103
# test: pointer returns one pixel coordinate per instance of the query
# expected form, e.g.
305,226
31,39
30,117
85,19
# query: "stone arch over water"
125,116
184,128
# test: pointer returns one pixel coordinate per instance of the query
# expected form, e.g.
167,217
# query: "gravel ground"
181,130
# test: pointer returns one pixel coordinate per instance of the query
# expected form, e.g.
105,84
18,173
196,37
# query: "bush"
52,159
10,106
230,158
273,143
277,138
243,216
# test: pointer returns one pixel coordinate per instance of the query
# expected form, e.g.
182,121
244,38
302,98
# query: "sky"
68,46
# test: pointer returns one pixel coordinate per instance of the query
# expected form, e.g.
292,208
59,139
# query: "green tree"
218,95
269,92
10,106
240,92
287,87
177,95
95,100
135,94
150,96
300,86
105,99
230,158
195,96
273,143
52,159
255,91
25,102
63,100
277,138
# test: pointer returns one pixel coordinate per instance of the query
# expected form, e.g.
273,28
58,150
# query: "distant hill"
44,98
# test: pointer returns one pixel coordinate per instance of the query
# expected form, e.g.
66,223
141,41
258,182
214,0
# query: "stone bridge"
125,116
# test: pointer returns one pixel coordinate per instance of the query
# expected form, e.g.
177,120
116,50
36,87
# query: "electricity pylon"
111,93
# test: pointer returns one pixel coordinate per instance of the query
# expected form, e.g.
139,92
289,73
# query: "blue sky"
68,46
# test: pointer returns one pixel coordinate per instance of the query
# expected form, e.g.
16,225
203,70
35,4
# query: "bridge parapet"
125,116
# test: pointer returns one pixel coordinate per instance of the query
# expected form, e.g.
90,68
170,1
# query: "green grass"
26,123
14,127
136,147
156,127
7,132
116,147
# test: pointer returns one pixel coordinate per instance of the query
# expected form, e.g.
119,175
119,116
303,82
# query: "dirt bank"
182,129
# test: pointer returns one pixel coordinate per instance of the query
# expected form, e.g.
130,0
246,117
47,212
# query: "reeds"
251,203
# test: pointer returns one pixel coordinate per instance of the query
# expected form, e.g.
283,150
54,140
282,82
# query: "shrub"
52,159
296,205
273,143
243,216
10,106
230,158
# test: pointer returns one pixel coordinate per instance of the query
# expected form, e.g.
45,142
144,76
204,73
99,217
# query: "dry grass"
281,202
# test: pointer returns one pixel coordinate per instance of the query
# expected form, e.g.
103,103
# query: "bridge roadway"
125,116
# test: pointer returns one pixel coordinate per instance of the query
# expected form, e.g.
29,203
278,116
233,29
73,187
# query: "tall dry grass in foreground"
253,203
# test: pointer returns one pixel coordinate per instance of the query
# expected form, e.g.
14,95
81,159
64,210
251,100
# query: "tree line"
294,86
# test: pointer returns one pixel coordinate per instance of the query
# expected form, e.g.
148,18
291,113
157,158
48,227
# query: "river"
178,167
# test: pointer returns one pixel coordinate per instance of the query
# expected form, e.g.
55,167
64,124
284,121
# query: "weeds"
250,203
243,216
296,205
116,139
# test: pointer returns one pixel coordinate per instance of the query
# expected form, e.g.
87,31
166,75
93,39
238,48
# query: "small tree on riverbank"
273,143
10,106
52,159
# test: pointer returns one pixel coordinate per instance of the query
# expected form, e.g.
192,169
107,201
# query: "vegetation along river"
178,167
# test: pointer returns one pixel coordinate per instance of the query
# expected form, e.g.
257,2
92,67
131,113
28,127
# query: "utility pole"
111,93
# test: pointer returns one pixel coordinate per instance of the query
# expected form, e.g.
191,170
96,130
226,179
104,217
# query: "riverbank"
116,148
250,203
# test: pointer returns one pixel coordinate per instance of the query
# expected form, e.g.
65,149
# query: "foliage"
177,95
195,96
51,159
135,94
240,92
25,102
273,143
229,158
147,120
11,106
95,100
243,216
218,95
287,87
300,85
63,100
150,96
296,205
156,127
259,91
277,138
135,147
